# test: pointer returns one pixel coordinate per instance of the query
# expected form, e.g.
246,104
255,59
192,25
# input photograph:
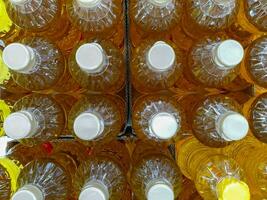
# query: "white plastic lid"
160,2
18,57
18,2
229,54
29,192
88,3
160,192
90,57
233,126
88,126
161,56
164,125
19,125
94,193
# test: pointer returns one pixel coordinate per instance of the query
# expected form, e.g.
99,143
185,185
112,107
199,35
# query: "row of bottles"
68,170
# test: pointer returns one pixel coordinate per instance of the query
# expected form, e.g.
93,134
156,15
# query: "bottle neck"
90,4
160,3
29,192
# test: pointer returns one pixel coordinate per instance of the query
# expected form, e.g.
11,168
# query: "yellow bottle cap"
232,189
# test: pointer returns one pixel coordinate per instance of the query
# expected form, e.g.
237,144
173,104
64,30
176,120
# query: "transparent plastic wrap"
103,176
98,17
156,65
158,117
156,16
97,65
154,174
214,61
43,179
38,118
40,66
215,175
217,120
203,16
97,118
255,63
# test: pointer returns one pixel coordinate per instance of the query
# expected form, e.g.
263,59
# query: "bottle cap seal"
95,193
161,56
160,192
88,126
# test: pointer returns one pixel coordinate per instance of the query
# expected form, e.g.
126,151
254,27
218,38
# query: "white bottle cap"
88,126
160,192
88,3
19,57
19,125
18,2
28,192
94,193
90,57
229,54
161,56
164,125
160,2
233,126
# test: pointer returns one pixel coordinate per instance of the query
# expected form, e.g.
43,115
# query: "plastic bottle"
154,175
96,119
214,61
158,117
38,118
96,17
156,65
215,175
44,17
39,65
98,66
43,179
253,68
189,191
255,110
204,17
103,176
217,120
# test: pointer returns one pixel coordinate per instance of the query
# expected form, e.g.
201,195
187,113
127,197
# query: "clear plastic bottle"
256,114
96,119
205,16
215,175
103,176
38,118
96,17
217,120
43,179
154,175
39,65
158,117
214,61
98,65
44,17
189,191
253,68
255,168
156,65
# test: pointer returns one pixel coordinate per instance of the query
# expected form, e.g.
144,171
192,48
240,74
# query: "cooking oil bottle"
215,175
41,179
38,118
98,66
189,191
96,119
39,65
204,17
255,168
214,61
158,117
44,17
153,18
217,120
103,176
255,110
96,17
156,65
154,175
253,68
